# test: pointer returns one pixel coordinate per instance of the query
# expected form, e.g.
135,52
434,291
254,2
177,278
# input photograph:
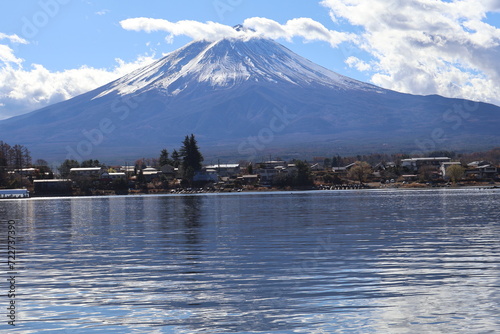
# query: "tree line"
11,158
188,159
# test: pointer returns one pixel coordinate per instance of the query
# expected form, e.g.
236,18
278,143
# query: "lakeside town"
183,172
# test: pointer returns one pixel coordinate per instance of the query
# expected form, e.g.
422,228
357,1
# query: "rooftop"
226,166
426,159
85,169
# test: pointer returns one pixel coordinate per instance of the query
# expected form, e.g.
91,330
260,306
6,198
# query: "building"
267,175
316,167
53,187
225,170
150,174
14,193
169,171
249,179
342,172
26,171
476,164
268,170
87,171
482,172
272,164
207,175
414,164
114,176
127,169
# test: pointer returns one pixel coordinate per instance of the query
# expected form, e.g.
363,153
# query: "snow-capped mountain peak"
226,63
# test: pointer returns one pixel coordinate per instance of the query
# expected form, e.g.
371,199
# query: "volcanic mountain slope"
245,99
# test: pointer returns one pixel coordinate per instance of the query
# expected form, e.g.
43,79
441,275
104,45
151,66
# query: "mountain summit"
245,99
229,63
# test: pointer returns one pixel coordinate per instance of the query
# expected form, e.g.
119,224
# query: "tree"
300,178
20,157
140,177
66,166
336,161
43,167
12,157
191,157
455,173
425,173
304,175
41,162
140,164
327,163
360,172
176,159
91,163
4,153
164,159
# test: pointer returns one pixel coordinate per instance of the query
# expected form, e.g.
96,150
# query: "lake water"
305,262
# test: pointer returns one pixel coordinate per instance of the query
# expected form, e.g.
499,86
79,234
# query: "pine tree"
164,159
176,159
191,157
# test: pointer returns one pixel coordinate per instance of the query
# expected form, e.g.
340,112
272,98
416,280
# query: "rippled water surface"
313,262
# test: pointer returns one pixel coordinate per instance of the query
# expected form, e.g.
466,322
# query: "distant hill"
245,99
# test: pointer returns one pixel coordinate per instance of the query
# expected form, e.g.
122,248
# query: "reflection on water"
315,262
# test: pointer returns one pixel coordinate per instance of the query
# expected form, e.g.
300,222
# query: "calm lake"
307,262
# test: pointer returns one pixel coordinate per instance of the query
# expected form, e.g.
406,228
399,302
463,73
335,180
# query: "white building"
114,176
414,164
225,170
86,171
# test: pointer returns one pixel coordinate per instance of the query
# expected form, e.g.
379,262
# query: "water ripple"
312,262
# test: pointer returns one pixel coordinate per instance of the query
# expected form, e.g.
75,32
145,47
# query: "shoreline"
264,192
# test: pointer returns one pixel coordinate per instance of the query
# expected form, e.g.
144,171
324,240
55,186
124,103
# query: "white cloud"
426,46
102,12
358,64
7,55
6,52
193,29
23,90
13,38
306,28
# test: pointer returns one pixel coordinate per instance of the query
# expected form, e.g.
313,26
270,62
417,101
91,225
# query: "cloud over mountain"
426,47
23,90
306,28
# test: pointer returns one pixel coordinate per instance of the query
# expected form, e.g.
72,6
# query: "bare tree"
455,173
360,171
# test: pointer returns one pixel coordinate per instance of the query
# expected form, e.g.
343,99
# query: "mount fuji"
246,99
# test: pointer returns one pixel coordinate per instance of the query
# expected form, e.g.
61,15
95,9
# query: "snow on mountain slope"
229,62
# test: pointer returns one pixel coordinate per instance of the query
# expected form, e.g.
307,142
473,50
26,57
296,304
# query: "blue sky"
51,50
